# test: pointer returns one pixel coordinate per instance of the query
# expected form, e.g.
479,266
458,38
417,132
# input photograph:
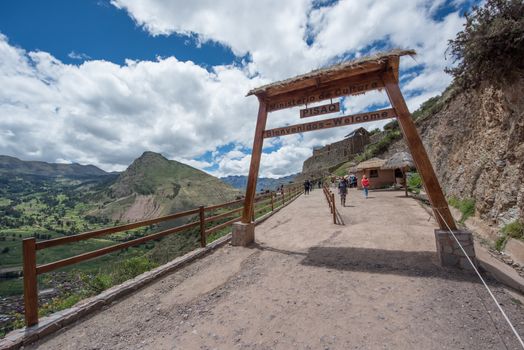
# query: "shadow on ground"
404,263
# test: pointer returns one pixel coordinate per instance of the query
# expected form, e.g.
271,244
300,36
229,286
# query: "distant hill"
15,166
263,183
153,186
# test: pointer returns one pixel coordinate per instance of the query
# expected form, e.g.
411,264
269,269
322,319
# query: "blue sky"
98,30
99,81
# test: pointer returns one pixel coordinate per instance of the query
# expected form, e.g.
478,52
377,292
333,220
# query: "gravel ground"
309,284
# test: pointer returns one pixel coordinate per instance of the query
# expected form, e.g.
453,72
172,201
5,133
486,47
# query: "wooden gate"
344,79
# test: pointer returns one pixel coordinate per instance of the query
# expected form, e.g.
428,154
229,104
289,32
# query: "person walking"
365,185
343,191
306,187
352,181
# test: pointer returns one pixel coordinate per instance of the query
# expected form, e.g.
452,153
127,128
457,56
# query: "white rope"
483,282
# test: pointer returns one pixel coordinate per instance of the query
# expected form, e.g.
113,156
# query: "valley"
43,202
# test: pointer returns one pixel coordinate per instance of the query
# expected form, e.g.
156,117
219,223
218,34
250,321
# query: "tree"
491,46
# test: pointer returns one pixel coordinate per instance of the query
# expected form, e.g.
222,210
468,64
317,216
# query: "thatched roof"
361,65
372,163
399,160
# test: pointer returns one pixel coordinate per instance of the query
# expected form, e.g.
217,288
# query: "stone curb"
50,324
500,271
497,269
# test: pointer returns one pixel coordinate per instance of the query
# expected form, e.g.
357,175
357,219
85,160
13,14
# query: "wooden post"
30,282
283,196
334,208
420,157
203,238
405,181
255,161
272,206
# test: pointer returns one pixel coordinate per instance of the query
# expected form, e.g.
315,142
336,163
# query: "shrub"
97,284
514,229
491,46
414,182
130,268
59,303
466,207
500,243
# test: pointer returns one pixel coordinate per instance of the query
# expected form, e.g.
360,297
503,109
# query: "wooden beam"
103,251
344,87
360,69
331,123
416,147
254,166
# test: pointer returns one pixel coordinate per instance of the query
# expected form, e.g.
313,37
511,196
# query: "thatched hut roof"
374,62
372,163
399,160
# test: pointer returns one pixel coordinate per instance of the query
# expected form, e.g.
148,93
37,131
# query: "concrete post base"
243,234
449,252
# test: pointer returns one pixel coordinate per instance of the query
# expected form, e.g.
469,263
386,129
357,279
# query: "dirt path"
309,284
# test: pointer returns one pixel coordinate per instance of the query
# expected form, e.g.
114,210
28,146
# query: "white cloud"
107,114
78,56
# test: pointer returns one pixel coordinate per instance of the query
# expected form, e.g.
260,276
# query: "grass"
375,149
342,169
10,287
466,207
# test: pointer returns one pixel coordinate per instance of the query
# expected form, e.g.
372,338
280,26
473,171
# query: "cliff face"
476,145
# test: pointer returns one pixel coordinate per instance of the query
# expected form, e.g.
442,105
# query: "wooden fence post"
334,209
30,282
283,196
272,206
203,238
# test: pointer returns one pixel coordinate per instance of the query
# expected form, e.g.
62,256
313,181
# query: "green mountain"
14,166
153,186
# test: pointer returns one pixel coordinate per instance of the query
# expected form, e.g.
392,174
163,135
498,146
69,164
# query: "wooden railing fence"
266,201
330,196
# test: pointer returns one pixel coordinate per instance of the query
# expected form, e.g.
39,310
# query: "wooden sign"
331,123
323,93
319,110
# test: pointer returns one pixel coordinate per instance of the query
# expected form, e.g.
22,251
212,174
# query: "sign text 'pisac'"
319,110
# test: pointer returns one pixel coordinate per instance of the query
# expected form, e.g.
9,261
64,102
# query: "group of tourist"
348,181
309,185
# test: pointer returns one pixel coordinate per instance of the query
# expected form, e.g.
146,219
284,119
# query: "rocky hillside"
14,166
153,186
476,143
